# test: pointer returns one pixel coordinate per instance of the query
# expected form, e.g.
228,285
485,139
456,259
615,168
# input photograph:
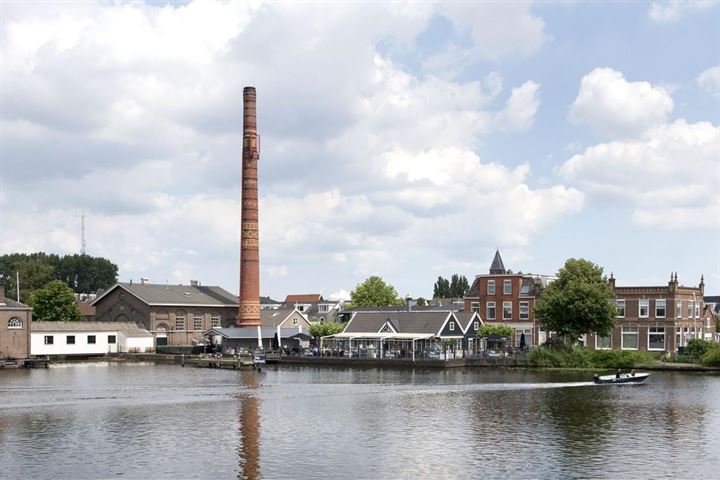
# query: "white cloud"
612,105
519,113
709,80
668,176
672,10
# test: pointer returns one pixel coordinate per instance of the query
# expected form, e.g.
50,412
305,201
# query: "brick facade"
15,326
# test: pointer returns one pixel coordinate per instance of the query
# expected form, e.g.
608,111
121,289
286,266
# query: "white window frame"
475,307
215,320
180,317
491,287
663,302
197,317
476,326
678,309
617,305
690,308
451,326
15,323
697,309
646,302
507,287
527,314
663,333
597,344
488,306
635,331
506,304
295,322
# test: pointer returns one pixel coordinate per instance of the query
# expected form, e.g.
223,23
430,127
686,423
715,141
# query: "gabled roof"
303,298
497,267
251,333
419,322
185,295
269,301
465,319
8,304
273,318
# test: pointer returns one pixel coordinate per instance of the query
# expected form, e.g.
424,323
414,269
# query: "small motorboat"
622,378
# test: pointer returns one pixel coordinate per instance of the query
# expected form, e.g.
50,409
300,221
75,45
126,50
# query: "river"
105,420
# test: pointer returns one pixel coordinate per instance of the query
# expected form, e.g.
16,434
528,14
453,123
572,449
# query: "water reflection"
249,413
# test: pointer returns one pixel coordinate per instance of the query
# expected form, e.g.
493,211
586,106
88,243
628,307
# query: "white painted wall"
136,344
81,346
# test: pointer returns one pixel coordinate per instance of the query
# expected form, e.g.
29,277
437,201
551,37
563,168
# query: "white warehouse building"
88,338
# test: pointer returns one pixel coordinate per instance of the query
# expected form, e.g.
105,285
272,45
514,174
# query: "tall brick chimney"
249,311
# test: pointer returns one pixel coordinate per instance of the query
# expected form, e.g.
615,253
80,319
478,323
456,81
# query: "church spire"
497,267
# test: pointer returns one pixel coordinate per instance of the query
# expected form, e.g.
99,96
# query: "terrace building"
502,297
656,318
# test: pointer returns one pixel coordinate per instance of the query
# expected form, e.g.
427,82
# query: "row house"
502,297
656,318
176,315
314,307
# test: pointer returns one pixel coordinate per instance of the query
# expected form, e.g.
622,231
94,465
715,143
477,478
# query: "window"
475,307
603,343
70,339
660,307
295,322
620,305
49,340
476,326
507,287
323,308
452,326
525,289
519,333
644,308
112,339
490,313
678,309
91,340
507,310
629,338
491,287
524,310
656,338
180,321
215,320
197,321
690,309
14,322
301,308
697,309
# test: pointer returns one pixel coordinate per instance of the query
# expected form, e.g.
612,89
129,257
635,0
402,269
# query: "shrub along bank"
579,357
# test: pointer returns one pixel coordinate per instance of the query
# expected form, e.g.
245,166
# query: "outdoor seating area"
390,346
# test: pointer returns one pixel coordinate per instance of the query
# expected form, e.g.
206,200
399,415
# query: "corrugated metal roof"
125,327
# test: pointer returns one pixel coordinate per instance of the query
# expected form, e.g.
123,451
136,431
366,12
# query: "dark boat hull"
625,378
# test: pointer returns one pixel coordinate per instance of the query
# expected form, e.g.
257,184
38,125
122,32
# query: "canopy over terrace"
381,345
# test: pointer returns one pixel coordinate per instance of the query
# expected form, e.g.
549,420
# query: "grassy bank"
579,357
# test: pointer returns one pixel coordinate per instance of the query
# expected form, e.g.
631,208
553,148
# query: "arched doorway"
161,335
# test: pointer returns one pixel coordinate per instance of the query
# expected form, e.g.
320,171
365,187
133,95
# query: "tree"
421,302
33,273
577,302
453,288
374,292
490,330
54,302
323,329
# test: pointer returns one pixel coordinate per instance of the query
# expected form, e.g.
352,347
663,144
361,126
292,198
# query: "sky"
407,140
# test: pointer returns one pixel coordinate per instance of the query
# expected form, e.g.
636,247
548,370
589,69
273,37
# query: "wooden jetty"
212,361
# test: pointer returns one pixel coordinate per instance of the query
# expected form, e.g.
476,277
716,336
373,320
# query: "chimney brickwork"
249,311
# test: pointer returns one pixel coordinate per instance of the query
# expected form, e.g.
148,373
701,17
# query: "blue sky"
406,140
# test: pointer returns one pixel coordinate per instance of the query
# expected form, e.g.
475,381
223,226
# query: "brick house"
656,318
502,297
174,314
15,325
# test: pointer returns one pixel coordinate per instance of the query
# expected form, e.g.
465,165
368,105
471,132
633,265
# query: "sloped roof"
251,332
154,294
303,298
125,327
273,318
86,308
8,304
269,301
464,319
427,321
497,267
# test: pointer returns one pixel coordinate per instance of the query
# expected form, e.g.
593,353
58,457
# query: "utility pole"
82,234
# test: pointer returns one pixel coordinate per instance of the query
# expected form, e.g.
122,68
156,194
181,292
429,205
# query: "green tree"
34,274
577,302
54,302
441,289
323,329
421,302
458,286
490,330
374,292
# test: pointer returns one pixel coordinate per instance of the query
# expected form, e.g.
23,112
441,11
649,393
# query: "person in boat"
617,375
632,372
